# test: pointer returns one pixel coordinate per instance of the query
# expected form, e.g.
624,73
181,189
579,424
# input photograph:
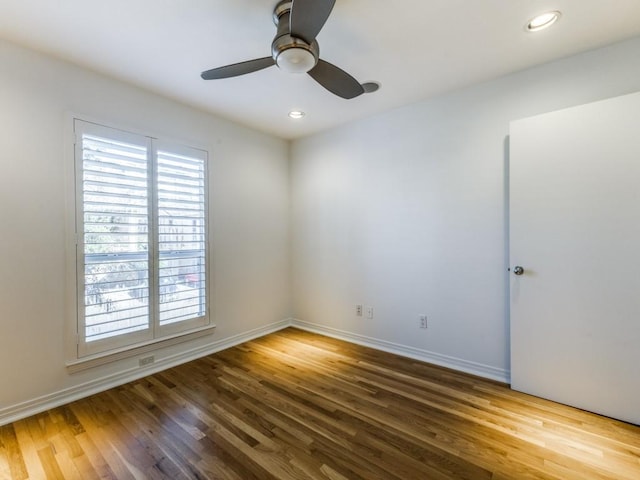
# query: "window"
141,239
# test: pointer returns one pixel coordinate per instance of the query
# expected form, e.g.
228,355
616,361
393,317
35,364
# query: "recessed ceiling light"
540,22
296,114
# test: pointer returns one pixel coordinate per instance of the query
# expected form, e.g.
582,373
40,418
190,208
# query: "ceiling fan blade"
238,68
335,80
308,17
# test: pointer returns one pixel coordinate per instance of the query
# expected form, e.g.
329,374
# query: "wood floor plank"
29,452
12,459
295,405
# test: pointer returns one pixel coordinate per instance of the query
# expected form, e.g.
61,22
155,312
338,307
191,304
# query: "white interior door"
575,230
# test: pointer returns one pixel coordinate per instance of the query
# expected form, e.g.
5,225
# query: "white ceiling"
415,48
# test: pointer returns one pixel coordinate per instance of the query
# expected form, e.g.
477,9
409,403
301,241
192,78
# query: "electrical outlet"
146,361
369,312
423,321
359,310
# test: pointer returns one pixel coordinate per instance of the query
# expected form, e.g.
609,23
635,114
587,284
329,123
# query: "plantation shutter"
115,236
141,238
181,200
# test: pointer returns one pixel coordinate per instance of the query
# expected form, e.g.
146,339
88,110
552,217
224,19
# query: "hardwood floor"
295,405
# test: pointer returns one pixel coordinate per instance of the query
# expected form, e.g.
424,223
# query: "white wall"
406,211
249,212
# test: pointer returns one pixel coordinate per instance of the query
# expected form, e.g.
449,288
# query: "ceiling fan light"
296,60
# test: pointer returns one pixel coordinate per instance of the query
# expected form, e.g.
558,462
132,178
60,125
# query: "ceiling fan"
295,50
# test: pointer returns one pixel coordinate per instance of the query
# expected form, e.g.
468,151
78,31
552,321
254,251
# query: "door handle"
518,270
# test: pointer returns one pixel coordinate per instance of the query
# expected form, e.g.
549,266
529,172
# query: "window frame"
153,333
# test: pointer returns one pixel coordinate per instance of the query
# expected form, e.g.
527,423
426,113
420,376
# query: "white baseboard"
62,397
454,363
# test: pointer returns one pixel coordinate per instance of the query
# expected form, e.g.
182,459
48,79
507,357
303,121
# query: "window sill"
97,360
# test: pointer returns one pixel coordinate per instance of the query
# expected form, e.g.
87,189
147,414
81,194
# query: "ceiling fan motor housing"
290,53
